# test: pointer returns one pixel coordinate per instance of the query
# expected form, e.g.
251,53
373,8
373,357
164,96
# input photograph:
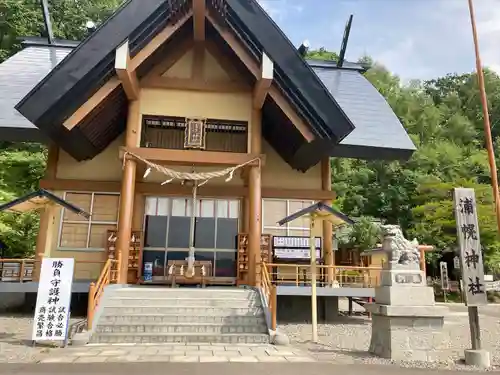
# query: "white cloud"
279,9
402,57
413,38
487,14
488,27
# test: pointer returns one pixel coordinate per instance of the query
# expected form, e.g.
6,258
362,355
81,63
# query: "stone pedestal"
406,323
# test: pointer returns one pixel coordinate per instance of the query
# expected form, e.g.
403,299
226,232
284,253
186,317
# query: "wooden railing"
16,270
274,274
331,276
269,291
108,276
25,270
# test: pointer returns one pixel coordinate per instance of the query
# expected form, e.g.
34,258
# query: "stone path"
93,353
315,368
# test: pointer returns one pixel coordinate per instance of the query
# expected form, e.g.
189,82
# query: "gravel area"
15,344
347,341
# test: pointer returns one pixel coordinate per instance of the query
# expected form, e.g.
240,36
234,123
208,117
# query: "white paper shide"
53,300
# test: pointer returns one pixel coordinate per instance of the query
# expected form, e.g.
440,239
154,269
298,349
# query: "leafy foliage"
23,164
443,116
444,119
20,18
364,234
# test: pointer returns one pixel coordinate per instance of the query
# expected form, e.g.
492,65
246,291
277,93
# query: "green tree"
444,118
21,18
322,54
364,234
23,164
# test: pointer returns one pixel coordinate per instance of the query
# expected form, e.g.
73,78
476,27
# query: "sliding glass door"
167,227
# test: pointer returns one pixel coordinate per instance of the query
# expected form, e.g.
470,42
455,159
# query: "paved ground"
15,332
344,343
177,353
314,368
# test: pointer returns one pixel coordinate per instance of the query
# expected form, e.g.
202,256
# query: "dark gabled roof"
30,41
332,101
86,69
18,75
37,200
318,207
259,32
347,65
378,133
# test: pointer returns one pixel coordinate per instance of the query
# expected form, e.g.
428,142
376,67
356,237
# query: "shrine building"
166,96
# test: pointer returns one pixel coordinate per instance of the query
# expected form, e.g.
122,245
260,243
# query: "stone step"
181,310
138,338
180,328
176,318
182,292
226,291
178,301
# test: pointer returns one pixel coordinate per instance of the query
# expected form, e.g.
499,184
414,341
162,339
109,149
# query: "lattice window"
273,210
78,233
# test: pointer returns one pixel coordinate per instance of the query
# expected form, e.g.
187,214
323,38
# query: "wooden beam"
208,190
255,202
44,238
328,254
52,161
253,67
114,82
58,184
174,56
127,77
190,157
224,61
157,41
199,10
90,104
193,85
198,63
264,82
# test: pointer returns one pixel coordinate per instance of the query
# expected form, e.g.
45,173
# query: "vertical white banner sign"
53,300
471,257
445,282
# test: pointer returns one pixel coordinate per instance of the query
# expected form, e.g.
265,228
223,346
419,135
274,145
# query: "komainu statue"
401,251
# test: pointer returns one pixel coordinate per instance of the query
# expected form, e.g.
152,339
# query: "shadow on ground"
11,339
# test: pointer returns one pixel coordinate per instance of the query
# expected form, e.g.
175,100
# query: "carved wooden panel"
194,136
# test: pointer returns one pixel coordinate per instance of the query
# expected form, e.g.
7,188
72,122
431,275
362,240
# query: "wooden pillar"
127,194
255,201
328,255
422,261
45,237
423,249
246,214
46,226
139,209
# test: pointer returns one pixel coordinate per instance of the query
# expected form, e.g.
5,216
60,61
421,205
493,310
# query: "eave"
90,67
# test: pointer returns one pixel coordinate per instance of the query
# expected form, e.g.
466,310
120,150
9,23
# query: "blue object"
148,271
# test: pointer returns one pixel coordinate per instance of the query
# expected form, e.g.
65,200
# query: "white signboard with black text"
445,282
471,257
288,247
53,300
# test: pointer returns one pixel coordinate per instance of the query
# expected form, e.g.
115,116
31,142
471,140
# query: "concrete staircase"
188,315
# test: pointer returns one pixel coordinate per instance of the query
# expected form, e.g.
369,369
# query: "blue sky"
416,39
